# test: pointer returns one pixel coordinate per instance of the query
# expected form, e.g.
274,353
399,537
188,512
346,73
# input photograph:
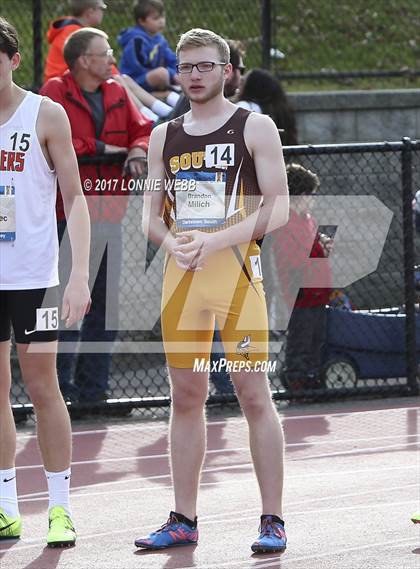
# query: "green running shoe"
415,518
61,531
10,528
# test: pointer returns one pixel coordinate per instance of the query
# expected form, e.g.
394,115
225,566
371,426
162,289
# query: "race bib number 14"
220,155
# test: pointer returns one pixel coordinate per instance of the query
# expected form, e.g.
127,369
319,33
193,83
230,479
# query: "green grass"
342,35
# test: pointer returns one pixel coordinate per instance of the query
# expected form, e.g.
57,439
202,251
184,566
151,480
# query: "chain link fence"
297,40
364,202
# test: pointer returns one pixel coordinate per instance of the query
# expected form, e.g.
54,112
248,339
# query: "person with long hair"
261,92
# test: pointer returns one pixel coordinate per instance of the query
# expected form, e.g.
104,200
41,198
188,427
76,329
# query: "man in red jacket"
294,247
103,121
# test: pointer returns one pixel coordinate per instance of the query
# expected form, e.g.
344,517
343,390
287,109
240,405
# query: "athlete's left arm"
264,144
263,141
54,134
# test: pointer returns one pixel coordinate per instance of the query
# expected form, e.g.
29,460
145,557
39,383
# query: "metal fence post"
37,42
266,33
408,240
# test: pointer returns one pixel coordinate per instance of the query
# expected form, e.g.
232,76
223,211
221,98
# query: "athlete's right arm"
54,133
153,225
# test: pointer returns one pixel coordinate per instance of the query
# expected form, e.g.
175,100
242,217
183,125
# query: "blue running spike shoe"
171,534
272,537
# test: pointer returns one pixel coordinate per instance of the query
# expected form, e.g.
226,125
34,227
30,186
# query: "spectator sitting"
292,250
147,57
152,107
82,13
261,92
87,13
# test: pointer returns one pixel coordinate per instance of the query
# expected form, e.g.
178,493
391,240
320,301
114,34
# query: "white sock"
59,489
8,493
149,114
161,108
172,98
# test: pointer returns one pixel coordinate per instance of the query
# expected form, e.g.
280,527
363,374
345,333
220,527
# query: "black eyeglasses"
202,66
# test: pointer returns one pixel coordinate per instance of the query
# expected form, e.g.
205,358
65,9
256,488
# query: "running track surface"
352,481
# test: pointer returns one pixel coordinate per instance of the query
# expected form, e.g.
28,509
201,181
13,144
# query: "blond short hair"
198,37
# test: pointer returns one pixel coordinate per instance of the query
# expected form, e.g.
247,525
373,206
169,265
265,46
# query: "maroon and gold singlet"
211,184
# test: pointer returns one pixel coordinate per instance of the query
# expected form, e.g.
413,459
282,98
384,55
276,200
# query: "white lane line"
355,451
281,560
223,451
277,562
352,441
209,520
316,474
108,493
283,416
325,442
142,427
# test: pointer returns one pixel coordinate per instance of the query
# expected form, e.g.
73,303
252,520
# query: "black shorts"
34,315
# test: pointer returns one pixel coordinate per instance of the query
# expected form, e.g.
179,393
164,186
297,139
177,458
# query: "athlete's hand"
193,248
185,265
76,301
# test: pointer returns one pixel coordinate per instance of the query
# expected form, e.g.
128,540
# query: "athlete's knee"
188,398
42,395
42,385
254,399
253,407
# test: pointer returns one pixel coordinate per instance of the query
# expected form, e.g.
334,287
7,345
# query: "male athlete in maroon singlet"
229,189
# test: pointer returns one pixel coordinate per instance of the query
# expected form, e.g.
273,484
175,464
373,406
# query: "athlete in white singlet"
36,150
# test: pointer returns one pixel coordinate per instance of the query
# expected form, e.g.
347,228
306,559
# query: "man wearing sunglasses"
232,160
